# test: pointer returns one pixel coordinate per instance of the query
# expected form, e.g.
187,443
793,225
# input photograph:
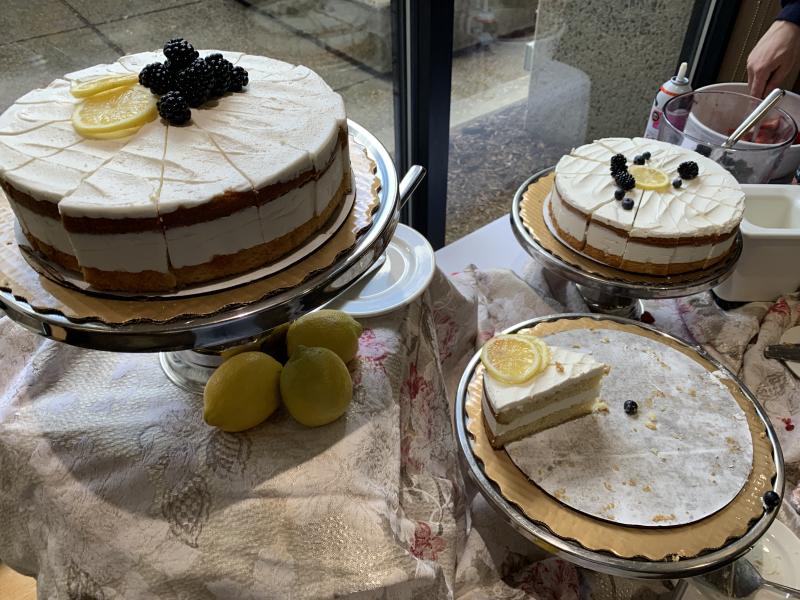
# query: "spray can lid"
680,78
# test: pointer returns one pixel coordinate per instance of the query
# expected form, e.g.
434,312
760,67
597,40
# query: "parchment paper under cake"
685,455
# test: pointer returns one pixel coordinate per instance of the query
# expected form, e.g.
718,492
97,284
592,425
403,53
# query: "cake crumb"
693,392
651,425
662,518
647,488
631,481
605,340
733,446
608,486
599,406
560,494
615,467
762,435
576,346
559,367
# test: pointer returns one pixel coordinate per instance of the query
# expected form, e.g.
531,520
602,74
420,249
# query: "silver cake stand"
190,348
616,296
571,550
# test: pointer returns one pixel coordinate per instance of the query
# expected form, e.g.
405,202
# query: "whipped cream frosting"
565,368
710,204
287,122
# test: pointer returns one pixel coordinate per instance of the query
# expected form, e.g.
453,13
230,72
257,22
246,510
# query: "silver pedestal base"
189,369
600,301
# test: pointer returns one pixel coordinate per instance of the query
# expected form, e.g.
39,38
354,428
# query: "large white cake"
249,178
656,231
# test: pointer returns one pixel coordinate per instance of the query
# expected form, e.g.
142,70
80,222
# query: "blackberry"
239,79
619,194
771,500
688,169
180,53
195,82
157,78
221,70
615,171
677,182
627,203
703,150
630,407
174,108
646,155
625,180
638,159
619,163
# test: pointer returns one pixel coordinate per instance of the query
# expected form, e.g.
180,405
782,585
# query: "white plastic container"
770,261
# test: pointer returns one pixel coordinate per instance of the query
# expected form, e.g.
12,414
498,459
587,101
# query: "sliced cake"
561,385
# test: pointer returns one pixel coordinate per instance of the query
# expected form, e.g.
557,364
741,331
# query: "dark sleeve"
790,11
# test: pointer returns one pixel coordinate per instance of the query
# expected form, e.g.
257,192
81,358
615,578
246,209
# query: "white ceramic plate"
407,272
792,336
776,556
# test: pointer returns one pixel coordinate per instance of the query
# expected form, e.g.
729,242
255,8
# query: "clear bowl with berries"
703,120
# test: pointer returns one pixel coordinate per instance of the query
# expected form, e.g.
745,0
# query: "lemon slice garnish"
114,111
544,349
513,358
649,178
82,88
115,135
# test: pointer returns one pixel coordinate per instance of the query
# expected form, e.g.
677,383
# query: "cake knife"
783,351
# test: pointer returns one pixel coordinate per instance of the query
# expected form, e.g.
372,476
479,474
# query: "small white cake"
675,226
566,389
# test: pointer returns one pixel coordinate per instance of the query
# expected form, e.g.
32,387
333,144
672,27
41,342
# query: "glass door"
533,79
348,42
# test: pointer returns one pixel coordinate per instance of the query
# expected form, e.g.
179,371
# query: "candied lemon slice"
544,350
511,358
114,110
649,178
82,88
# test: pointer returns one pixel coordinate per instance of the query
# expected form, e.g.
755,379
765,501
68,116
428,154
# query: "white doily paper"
682,457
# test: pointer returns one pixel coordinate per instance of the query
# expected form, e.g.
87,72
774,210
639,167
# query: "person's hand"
773,58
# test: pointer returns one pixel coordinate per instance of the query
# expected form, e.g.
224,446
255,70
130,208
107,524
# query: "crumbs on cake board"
663,518
559,367
600,406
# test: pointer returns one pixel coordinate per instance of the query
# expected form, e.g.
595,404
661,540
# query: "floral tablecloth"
111,485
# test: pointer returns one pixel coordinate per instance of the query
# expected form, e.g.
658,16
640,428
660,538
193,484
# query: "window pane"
348,42
531,80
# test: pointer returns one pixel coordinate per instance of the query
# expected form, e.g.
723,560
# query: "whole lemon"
242,392
316,386
330,329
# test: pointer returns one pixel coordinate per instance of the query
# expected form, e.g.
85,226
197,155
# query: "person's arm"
776,53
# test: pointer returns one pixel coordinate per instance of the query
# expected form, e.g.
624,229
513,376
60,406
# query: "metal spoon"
759,112
740,579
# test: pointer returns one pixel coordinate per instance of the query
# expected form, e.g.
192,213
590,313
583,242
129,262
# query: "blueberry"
619,194
638,159
771,500
677,182
631,407
646,155
627,203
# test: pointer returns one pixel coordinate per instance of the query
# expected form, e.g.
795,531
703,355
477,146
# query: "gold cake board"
46,296
662,543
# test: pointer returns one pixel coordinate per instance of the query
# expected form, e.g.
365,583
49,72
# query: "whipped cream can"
669,89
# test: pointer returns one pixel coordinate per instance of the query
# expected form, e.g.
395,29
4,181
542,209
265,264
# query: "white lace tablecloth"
112,486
